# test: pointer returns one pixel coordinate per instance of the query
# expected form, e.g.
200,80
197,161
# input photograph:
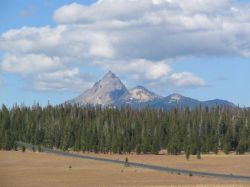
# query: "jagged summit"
111,91
109,74
105,92
112,82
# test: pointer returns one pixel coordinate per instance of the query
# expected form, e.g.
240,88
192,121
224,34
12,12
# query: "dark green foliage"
33,148
15,146
243,145
227,141
125,130
138,149
187,153
198,155
23,148
155,145
40,149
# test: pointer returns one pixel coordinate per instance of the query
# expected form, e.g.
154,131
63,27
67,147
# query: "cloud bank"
132,37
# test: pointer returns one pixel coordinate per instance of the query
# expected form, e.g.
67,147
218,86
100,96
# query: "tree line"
125,130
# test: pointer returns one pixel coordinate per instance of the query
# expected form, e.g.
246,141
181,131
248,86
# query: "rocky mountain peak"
111,81
111,91
105,92
108,75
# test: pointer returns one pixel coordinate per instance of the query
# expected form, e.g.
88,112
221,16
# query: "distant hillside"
110,91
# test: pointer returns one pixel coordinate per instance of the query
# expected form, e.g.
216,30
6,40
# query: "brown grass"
220,163
41,169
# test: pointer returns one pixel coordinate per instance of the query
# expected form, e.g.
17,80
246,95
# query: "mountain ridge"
110,91
139,94
104,92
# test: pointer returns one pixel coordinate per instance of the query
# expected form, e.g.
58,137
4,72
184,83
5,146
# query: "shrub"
126,162
40,149
33,148
199,155
23,148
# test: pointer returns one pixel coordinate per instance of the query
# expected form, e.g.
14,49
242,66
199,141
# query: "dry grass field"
220,163
40,169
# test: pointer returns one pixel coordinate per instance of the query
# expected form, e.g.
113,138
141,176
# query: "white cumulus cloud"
141,69
61,80
29,63
132,37
153,73
186,79
100,46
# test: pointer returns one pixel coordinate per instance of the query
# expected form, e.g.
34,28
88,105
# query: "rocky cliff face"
104,92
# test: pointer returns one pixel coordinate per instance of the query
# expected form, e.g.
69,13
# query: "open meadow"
220,163
41,169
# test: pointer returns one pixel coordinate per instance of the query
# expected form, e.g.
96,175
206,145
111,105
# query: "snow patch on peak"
140,94
175,98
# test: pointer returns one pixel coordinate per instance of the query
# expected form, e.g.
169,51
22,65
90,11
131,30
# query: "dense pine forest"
125,130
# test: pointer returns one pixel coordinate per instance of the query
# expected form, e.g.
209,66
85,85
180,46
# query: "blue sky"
60,48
